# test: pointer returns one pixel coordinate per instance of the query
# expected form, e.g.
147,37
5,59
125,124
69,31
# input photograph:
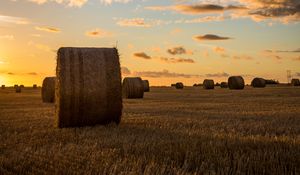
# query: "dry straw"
295,82
208,84
133,87
146,86
224,85
48,90
236,82
258,83
179,85
18,89
88,87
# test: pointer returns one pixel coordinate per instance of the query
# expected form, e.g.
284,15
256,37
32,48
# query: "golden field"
189,131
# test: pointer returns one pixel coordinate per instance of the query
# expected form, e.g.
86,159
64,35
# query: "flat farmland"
189,131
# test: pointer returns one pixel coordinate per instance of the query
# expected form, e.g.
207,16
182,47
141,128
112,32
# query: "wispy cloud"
223,74
13,20
48,29
135,22
100,33
164,73
177,60
142,55
180,50
8,37
210,37
125,71
70,3
108,2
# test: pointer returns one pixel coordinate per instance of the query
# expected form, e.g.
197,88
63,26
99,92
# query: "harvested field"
194,131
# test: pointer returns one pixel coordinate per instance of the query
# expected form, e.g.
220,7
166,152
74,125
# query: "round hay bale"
295,82
224,85
179,85
258,83
133,87
48,90
15,86
208,84
88,87
146,86
236,82
34,86
22,86
18,89
173,85
2,86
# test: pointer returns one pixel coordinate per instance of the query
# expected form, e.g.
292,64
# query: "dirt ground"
189,131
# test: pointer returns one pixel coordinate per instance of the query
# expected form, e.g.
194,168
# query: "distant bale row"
295,82
258,83
48,90
2,86
224,85
88,87
133,87
208,84
179,85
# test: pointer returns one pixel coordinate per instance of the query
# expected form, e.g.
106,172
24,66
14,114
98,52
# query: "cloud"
48,29
164,73
125,71
8,37
219,49
176,31
224,74
210,37
70,3
135,22
13,20
242,57
10,73
108,2
142,55
295,51
204,19
177,50
100,33
196,8
42,47
177,60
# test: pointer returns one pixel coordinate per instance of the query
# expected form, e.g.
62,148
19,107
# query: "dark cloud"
197,8
210,37
125,71
224,74
164,73
177,60
177,50
295,51
10,73
142,55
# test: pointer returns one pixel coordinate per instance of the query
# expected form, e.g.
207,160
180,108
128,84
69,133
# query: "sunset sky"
165,41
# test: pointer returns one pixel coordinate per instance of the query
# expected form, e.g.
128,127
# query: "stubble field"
190,131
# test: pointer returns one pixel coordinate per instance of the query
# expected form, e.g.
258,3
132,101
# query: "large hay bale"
236,82
15,86
146,86
22,86
48,90
133,87
88,87
18,89
208,84
179,85
2,86
295,82
224,85
34,86
258,83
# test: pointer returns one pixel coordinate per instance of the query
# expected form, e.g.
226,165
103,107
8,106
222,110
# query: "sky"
164,41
